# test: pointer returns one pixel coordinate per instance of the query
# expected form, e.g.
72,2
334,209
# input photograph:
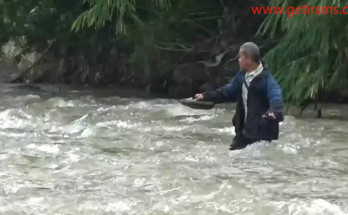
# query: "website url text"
291,11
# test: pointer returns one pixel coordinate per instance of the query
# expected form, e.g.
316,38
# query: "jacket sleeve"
228,93
275,98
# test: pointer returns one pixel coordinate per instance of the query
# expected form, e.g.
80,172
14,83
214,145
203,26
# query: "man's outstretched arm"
275,98
228,93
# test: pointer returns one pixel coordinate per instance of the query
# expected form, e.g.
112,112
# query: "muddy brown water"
88,153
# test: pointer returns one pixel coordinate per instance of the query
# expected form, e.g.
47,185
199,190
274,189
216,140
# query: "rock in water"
6,72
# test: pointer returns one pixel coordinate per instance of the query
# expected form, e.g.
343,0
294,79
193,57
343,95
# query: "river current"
89,153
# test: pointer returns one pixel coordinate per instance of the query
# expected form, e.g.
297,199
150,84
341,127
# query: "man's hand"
199,97
269,116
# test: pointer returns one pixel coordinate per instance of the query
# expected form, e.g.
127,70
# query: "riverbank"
181,81
172,80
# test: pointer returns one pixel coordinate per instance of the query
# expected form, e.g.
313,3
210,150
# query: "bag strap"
246,84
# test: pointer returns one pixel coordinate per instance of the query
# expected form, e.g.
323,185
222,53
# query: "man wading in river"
258,96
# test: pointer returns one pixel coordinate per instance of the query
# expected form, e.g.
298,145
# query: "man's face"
243,60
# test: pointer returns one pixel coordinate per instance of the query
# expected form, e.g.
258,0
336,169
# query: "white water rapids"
91,154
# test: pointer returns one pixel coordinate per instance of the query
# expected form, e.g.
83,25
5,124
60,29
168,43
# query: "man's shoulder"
266,71
238,75
267,74
240,72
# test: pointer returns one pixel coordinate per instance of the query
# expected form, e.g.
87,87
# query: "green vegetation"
310,56
174,47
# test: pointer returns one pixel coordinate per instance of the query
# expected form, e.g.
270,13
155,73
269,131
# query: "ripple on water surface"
91,155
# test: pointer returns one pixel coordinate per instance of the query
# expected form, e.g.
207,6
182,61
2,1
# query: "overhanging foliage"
311,54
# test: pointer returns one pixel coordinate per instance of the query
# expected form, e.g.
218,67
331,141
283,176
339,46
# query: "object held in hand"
269,116
191,103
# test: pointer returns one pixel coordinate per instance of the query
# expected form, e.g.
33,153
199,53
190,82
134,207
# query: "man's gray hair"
250,49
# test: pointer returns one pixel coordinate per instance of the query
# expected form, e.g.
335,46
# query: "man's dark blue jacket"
264,96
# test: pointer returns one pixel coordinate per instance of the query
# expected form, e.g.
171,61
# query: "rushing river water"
84,153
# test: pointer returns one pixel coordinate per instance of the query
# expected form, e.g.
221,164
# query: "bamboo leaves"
310,56
124,12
